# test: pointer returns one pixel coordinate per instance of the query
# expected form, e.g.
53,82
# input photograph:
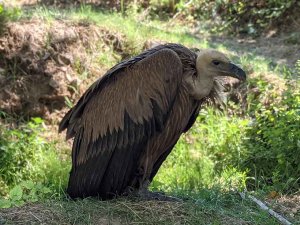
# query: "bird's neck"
205,84
205,80
200,87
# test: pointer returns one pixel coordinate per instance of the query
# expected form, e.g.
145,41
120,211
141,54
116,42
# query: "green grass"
137,32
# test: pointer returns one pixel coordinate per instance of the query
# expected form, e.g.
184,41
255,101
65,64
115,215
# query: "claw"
148,195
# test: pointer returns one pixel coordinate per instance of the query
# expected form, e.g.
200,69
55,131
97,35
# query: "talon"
148,195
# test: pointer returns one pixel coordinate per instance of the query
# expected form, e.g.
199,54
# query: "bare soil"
41,64
288,206
281,49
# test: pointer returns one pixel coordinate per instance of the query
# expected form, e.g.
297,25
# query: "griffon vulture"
128,121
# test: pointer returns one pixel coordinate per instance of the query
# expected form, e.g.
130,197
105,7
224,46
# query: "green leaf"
4,203
16,193
37,120
19,203
46,190
28,184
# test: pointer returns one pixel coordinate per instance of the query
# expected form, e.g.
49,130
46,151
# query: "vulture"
128,121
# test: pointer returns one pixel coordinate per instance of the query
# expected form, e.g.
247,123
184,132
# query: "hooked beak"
237,72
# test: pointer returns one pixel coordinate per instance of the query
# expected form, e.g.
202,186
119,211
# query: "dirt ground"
44,66
281,49
289,206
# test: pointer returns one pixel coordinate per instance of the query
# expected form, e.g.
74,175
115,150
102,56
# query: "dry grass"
289,206
106,212
226,210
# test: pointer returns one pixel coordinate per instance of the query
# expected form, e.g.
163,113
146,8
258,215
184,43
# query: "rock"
53,83
66,59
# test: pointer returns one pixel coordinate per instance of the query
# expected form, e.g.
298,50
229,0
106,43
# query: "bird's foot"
145,194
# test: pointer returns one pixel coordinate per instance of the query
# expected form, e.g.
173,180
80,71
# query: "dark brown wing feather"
114,119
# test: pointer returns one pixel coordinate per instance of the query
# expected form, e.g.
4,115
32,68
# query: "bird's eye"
216,62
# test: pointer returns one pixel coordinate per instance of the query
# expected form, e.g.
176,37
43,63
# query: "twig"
130,209
36,217
280,218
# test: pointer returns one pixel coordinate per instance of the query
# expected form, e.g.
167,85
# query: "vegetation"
30,166
255,146
250,17
8,14
273,143
124,211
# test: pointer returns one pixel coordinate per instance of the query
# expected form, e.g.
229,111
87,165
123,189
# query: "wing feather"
118,114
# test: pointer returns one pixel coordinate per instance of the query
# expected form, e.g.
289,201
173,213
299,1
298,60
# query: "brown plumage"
128,121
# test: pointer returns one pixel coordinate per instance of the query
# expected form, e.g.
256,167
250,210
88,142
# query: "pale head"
211,64
214,63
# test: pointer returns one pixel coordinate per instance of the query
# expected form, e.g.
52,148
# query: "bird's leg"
139,189
145,194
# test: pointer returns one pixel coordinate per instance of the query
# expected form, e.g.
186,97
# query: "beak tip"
243,76
239,73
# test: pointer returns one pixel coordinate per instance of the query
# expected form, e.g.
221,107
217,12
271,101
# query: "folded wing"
116,117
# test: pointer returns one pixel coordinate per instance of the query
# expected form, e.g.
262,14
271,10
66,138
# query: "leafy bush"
238,16
24,155
273,144
26,191
252,16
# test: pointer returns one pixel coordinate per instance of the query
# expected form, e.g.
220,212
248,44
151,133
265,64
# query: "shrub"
297,66
26,191
260,151
273,144
238,16
24,155
252,16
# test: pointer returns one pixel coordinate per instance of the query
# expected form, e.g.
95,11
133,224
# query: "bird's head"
211,64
